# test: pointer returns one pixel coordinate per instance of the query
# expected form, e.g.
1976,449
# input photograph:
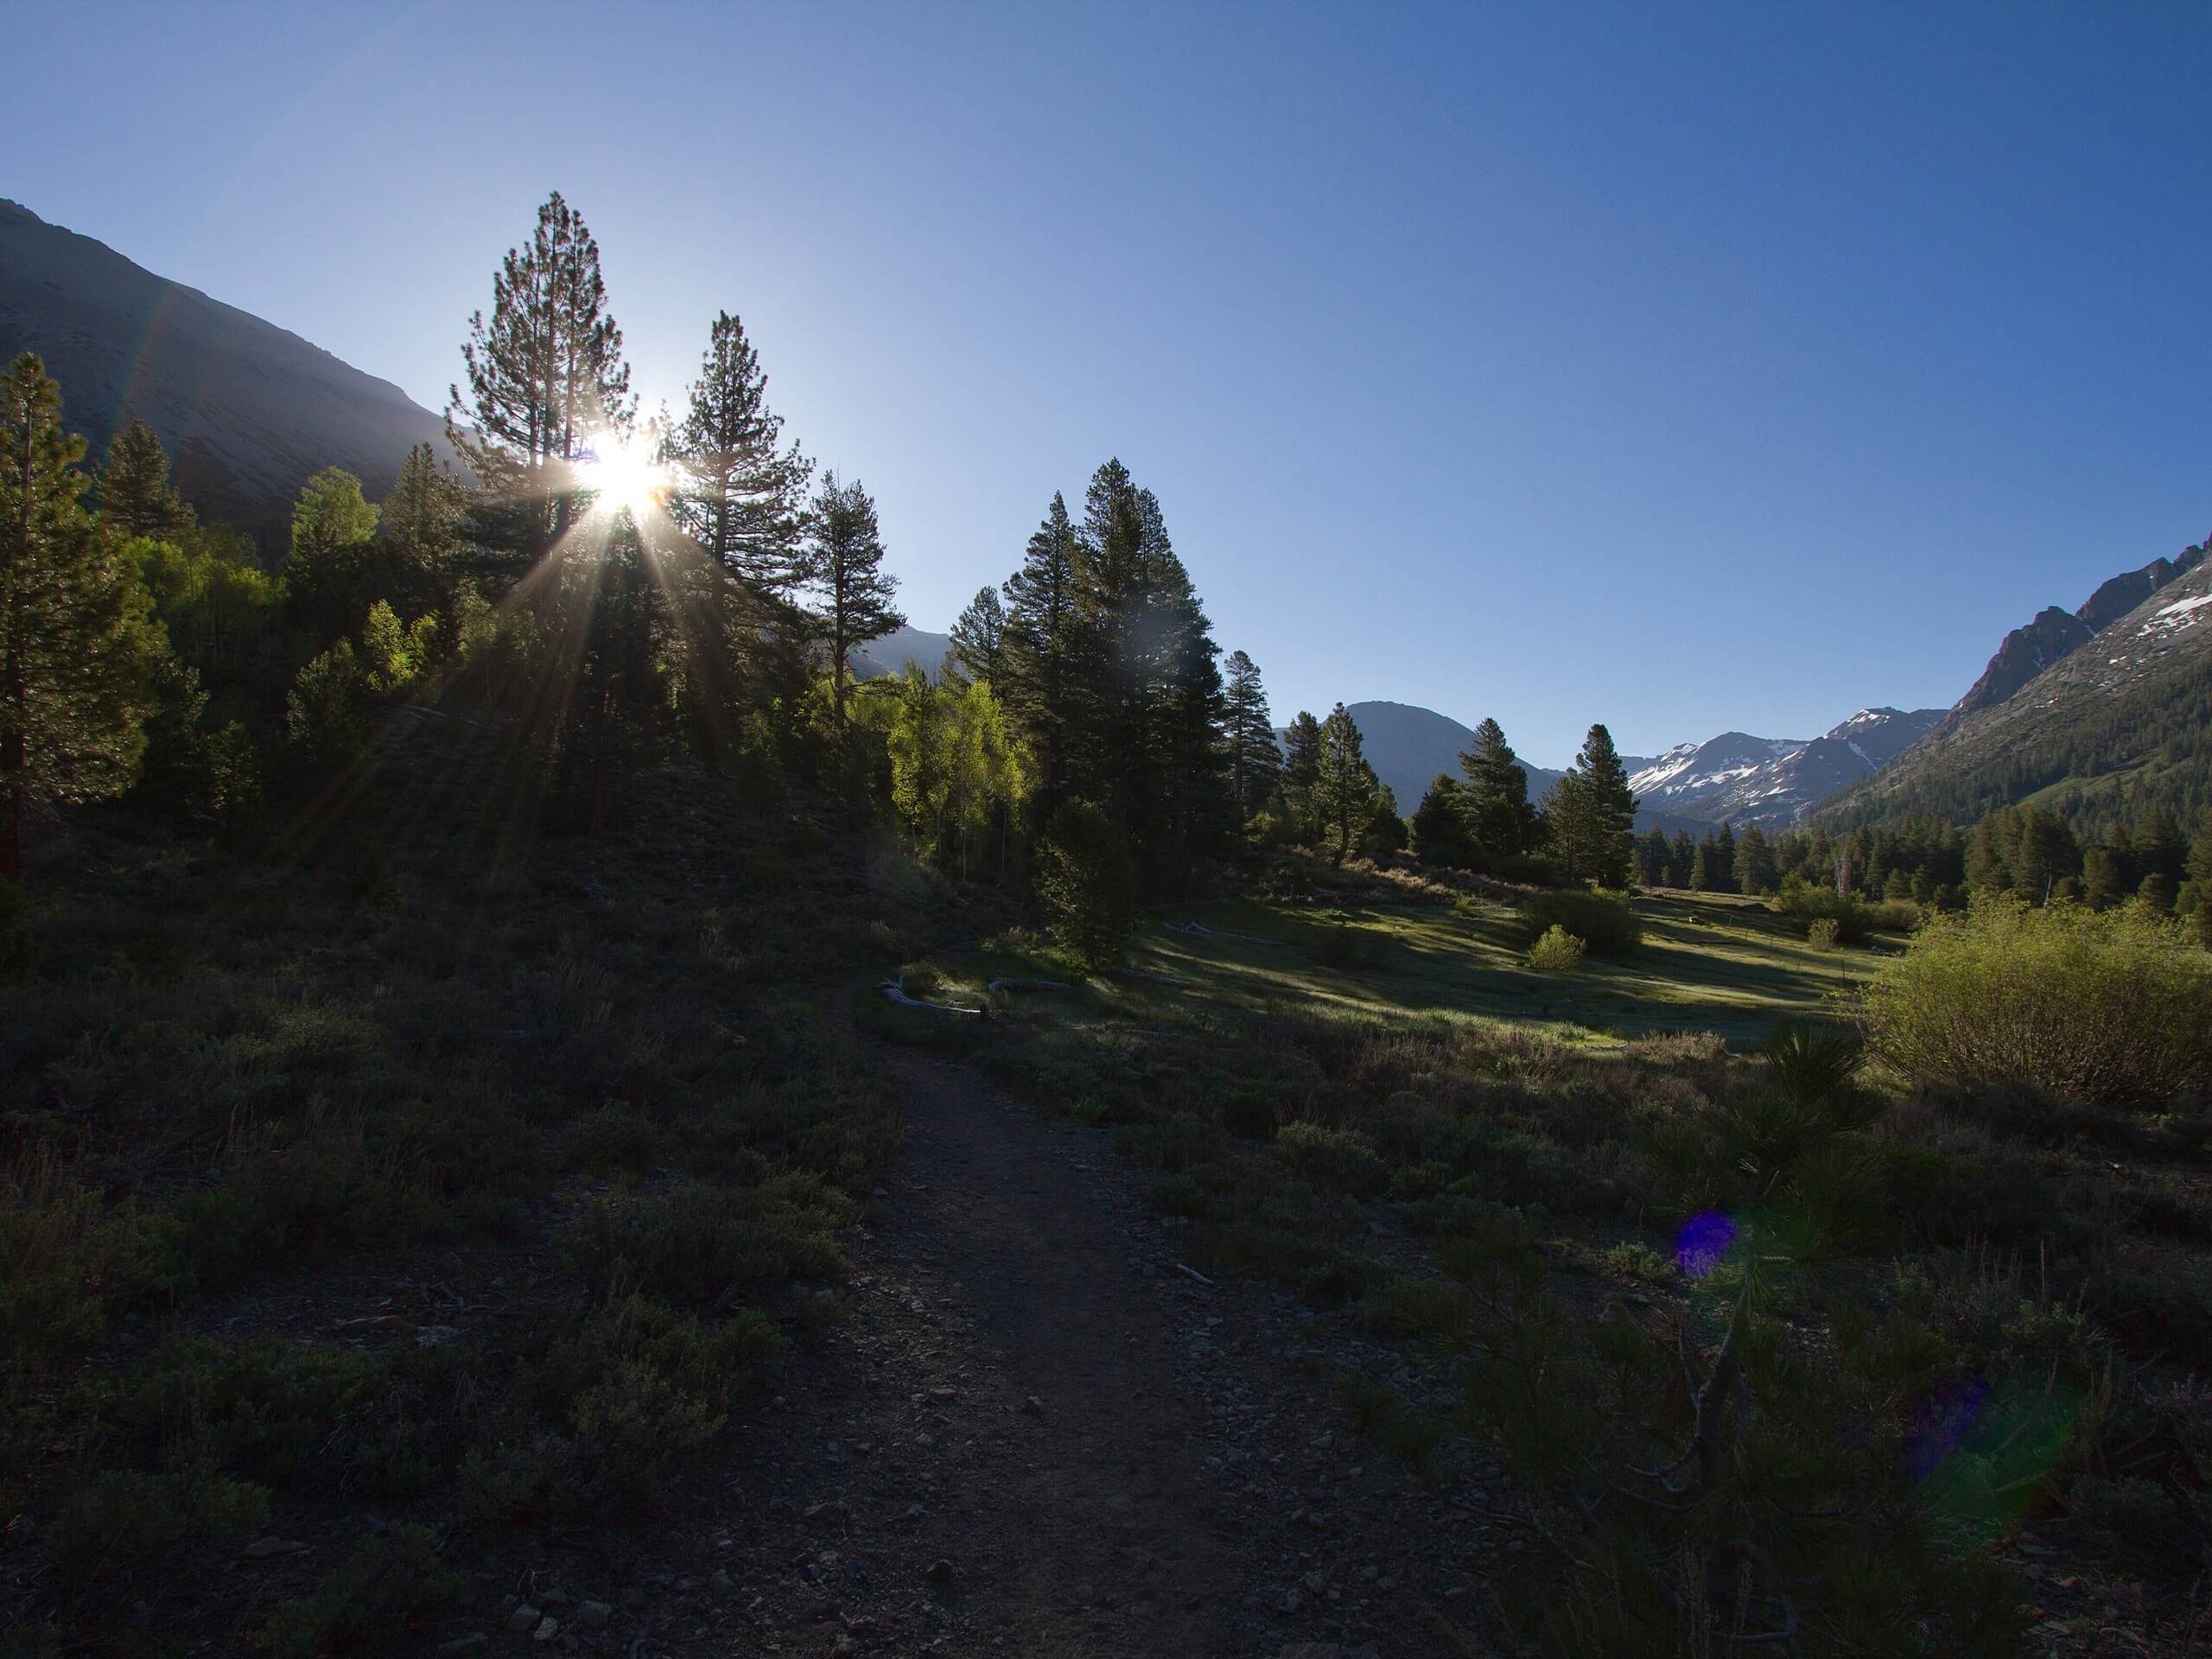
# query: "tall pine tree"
845,573
1255,759
1043,670
136,494
77,641
1496,795
1345,787
979,639
736,488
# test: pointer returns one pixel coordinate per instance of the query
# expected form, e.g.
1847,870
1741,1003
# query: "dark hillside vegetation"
409,1198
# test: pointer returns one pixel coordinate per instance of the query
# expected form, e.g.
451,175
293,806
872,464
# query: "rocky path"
1032,1432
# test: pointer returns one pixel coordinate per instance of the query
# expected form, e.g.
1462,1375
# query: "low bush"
1807,905
384,1584
1824,933
1558,952
1332,1158
702,1245
1602,921
2114,1009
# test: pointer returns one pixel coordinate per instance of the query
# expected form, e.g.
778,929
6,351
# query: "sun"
623,479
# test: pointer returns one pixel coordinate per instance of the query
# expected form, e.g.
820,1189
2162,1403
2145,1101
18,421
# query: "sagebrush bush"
1602,921
1558,952
2111,1008
1824,933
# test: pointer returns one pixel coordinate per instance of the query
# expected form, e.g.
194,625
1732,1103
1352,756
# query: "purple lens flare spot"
1701,1243
1940,1423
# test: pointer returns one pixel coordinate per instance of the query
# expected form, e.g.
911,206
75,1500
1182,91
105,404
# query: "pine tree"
332,523
844,570
1043,646
1722,864
136,494
1301,773
1651,857
545,377
1496,796
1755,868
77,641
1702,867
1344,786
2104,878
1439,826
1593,814
979,639
1254,759
1681,856
421,521
734,491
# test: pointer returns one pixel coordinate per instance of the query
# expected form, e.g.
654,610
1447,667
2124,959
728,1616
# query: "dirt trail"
1031,1432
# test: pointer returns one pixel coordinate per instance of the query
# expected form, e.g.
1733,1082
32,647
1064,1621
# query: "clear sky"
1683,367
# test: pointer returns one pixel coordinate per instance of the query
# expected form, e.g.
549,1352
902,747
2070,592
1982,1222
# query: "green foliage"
1345,786
1824,932
1604,922
389,1583
1807,906
325,571
1441,835
323,712
265,1407
66,1257
1334,1158
1086,881
2114,1009
1557,952
701,1246
77,638
117,1519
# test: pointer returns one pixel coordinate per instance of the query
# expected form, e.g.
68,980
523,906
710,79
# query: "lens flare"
1703,1241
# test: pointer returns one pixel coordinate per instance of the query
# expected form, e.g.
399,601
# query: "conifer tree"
1592,813
1702,870
136,494
1345,787
1496,796
1722,863
844,571
1301,773
1681,857
544,375
332,523
1651,857
979,639
737,490
421,520
78,642
1755,862
1043,647
1439,826
2104,878
1254,758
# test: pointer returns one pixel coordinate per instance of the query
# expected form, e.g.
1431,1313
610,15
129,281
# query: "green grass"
1717,964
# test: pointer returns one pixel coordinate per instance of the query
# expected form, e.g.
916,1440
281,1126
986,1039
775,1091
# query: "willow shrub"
1602,921
2112,1009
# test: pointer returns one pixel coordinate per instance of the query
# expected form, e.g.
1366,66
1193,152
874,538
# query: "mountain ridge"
248,410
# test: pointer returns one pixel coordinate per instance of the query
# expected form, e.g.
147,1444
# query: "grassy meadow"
1368,1097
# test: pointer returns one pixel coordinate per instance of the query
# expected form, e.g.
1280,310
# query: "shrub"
1333,1158
118,1520
1602,921
1088,884
1558,952
699,1244
1824,933
1805,904
2112,1009
1896,916
323,711
384,1584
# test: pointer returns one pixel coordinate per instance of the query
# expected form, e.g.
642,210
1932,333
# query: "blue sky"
1683,367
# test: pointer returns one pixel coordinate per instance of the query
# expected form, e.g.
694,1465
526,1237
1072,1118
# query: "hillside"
2125,721
895,651
1772,782
248,412
1407,746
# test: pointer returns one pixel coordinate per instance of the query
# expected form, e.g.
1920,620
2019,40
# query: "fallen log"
894,990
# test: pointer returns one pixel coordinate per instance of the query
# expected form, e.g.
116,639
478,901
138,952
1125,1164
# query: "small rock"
827,1513
474,1642
1291,1602
1033,1406
431,1335
721,1582
940,1570
523,1618
595,1615
634,1598
262,1550
554,1599
547,1628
